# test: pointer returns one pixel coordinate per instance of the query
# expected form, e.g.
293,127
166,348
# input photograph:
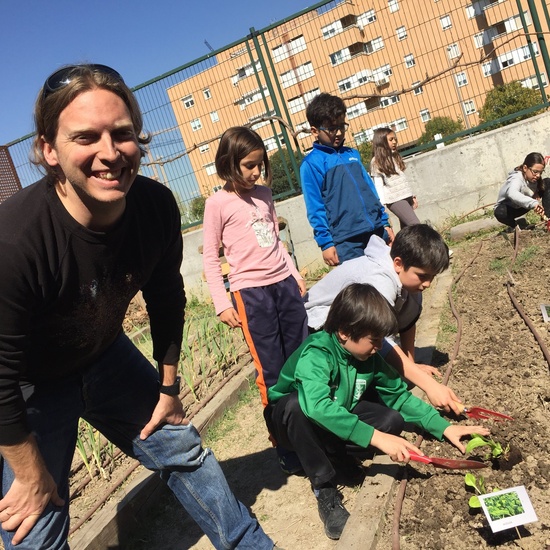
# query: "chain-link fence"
397,63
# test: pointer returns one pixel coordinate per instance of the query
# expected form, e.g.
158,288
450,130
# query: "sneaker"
450,253
332,512
288,461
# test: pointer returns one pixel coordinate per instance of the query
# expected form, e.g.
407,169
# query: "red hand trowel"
449,463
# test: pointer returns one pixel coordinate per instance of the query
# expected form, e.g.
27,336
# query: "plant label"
545,308
508,508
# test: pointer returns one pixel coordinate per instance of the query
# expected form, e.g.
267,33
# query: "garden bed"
499,366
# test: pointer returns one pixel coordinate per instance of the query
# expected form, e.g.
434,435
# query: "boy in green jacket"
319,405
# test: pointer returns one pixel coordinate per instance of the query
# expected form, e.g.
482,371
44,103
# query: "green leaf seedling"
495,448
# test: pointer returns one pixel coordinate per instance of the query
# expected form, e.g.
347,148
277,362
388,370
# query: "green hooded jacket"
330,382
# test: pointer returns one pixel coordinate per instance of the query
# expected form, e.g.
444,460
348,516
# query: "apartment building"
396,63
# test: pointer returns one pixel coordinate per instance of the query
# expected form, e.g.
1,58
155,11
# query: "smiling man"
76,247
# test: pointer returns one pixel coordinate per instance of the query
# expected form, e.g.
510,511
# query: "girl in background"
387,170
266,288
521,191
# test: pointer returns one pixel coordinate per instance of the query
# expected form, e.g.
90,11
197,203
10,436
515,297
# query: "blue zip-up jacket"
340,196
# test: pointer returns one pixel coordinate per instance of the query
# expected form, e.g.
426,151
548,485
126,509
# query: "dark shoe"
288,461
332,512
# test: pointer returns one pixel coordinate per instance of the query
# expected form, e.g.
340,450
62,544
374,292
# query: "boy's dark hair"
421,246
324,109
359,310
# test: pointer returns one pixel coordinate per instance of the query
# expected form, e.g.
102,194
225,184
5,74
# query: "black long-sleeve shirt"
64,290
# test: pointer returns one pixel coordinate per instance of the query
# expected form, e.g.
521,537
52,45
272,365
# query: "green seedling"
495,448
478,483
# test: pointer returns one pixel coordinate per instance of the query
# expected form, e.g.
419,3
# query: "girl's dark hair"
359,310
81,78
530,160
236,144
382,155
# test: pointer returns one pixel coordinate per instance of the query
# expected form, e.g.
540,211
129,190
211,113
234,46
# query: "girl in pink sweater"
266,288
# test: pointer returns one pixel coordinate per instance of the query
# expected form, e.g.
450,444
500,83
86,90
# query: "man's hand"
31,490
331,256
230,317
397,448
455,432
169,410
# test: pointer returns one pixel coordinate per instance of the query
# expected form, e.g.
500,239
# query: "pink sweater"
247,227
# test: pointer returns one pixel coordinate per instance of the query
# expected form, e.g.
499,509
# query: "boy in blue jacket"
342,205
320,405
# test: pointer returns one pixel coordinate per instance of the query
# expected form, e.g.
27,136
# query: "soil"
499,366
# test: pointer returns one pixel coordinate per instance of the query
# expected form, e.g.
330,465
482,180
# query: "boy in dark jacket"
342,205
319,406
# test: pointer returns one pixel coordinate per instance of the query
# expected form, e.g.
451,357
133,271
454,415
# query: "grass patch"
525,256
224,425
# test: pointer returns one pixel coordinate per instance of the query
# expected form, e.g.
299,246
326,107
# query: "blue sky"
140,39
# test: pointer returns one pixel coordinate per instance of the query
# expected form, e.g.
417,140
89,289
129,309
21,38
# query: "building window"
532,82
204,148
366,18
298,74
401,33
387,101
425,115
196,124
210,168
417,90
356,110
409,61
214,116
469,106
374,45
188,101
393,5
453,50
461,79
445,22
398,125
206,93
292,47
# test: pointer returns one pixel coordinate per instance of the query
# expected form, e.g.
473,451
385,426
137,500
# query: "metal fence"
397,63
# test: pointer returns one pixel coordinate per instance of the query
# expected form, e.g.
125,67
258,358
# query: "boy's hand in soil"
397,448
455,432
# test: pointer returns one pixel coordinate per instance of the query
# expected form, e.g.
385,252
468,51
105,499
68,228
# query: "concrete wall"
453,180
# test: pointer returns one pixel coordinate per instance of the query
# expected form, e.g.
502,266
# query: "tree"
508,99
280,182
196,210
365,150
443,125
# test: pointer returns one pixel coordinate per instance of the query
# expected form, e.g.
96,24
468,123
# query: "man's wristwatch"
173,389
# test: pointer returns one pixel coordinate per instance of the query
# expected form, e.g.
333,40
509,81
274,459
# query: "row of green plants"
209,349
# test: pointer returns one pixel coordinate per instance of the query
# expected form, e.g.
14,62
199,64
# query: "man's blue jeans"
117,395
